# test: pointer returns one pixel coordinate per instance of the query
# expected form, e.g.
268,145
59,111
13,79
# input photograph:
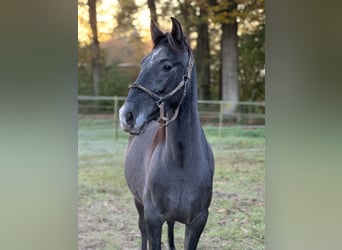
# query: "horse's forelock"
175,46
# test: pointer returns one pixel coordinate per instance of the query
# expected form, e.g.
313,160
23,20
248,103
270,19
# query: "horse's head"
162,81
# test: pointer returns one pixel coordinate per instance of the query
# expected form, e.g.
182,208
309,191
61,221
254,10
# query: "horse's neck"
187,122
184,134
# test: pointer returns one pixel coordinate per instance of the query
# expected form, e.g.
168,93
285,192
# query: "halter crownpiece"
189,66
159,100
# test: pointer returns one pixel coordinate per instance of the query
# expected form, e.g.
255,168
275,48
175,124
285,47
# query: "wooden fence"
212,113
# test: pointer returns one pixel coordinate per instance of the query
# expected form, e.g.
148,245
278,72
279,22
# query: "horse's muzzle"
130,122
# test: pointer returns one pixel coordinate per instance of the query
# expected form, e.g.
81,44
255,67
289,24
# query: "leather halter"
160,100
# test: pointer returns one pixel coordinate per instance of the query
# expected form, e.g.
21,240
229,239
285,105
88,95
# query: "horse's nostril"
129,119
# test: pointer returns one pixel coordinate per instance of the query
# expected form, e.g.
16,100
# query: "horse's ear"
156,34
177,32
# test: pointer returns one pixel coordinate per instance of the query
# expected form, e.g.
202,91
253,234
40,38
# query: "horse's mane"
159,137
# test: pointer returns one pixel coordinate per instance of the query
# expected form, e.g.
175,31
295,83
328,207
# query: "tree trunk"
203,57
229,66
95,47
153,12
186,13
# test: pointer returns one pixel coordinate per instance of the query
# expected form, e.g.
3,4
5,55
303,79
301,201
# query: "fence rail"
212,113
121,98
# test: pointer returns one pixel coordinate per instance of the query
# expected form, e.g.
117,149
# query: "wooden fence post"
116,104
221,118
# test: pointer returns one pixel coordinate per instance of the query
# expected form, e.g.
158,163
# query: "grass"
108,218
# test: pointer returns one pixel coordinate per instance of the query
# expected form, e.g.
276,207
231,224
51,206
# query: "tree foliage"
202,20
118,69
126,10
252,65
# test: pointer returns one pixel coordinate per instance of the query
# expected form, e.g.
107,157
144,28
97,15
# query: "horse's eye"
167,67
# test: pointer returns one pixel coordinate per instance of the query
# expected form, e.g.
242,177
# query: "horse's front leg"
142,225
170,225
154,227
194,230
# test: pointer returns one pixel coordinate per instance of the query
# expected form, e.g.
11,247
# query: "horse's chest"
168,183
176,194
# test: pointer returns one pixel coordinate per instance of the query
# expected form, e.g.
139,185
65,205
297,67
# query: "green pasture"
106,213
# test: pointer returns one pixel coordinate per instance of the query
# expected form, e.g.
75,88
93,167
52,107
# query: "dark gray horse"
169,164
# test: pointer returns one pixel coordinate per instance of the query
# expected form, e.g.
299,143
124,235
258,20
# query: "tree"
124,17
203,49
216,29
235,15
194,16
229,54
153,11
252,50
252,65
95,47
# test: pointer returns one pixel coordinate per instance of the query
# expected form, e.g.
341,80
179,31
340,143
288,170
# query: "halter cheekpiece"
160,100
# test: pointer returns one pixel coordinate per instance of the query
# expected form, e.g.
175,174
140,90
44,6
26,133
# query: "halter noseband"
160,100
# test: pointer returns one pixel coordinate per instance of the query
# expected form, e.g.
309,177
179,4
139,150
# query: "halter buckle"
160,103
